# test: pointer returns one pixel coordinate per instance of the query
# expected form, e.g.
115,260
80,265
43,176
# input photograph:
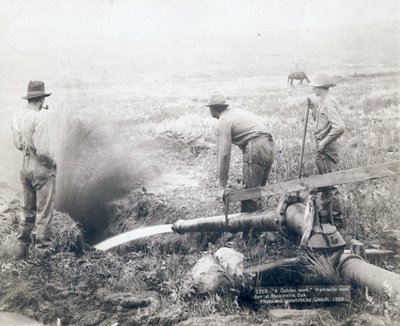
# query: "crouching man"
38,171
247,131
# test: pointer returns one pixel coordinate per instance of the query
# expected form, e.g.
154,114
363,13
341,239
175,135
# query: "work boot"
339,221
43,252
23,251
323,216
245,235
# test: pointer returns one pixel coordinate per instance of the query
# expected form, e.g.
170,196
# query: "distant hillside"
346,49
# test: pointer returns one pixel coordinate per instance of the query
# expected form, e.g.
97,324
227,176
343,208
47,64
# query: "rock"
208,275
231,260
213,272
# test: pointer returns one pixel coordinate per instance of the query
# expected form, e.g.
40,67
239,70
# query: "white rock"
208,274
230,260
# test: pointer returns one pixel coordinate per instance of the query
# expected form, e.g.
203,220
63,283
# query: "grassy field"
141,151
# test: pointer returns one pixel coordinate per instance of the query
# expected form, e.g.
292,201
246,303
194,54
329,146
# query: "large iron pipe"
260,221
376,279
288,218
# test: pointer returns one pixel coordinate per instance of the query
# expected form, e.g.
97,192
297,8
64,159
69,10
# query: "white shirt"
30,132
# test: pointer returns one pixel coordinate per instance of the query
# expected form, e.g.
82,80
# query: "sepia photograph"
199,162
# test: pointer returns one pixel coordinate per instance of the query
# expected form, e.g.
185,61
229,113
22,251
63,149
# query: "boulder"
214,272
231,260
208,275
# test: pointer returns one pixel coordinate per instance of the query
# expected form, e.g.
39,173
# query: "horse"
298,75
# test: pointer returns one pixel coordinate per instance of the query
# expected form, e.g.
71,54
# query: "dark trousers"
326,163
258,157
38,201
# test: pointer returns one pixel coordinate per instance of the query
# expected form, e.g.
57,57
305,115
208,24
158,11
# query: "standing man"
329,127
38,172
245,130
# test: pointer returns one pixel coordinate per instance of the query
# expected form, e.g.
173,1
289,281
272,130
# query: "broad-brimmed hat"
36,89
217,99
322,80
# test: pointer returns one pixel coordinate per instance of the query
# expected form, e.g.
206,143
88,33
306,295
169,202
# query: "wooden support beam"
365,173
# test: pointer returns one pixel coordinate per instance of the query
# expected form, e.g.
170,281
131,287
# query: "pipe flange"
343,260
176,227
280,216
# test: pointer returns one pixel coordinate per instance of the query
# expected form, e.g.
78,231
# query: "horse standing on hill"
298,75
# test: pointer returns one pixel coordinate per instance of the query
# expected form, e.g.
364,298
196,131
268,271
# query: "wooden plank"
370,172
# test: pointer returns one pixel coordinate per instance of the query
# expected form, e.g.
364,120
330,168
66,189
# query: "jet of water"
133,235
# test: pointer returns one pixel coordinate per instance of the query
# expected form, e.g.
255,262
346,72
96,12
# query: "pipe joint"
176,227
280,218
344,259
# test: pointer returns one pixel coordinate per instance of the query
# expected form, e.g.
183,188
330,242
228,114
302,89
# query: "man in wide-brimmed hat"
249,133
329,127
38,172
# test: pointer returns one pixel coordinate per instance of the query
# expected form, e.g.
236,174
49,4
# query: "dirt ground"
148,281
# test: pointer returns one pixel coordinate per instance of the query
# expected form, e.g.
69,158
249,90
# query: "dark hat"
36,89
217,99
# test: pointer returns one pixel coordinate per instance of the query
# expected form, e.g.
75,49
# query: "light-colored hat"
217,99
322,80
36,89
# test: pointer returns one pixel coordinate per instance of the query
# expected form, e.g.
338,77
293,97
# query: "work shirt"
237,127
329,125
30,133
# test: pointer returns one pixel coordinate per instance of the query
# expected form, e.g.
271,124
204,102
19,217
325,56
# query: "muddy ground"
147,282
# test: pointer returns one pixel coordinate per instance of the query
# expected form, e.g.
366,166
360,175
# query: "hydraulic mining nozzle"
296,220
292,218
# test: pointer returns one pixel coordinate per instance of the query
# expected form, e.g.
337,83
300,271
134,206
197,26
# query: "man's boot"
23,251
338,217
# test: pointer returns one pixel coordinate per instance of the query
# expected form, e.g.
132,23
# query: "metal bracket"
280,216
227,202
357,248
310,221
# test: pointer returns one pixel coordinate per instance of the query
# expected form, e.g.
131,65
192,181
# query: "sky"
156,19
